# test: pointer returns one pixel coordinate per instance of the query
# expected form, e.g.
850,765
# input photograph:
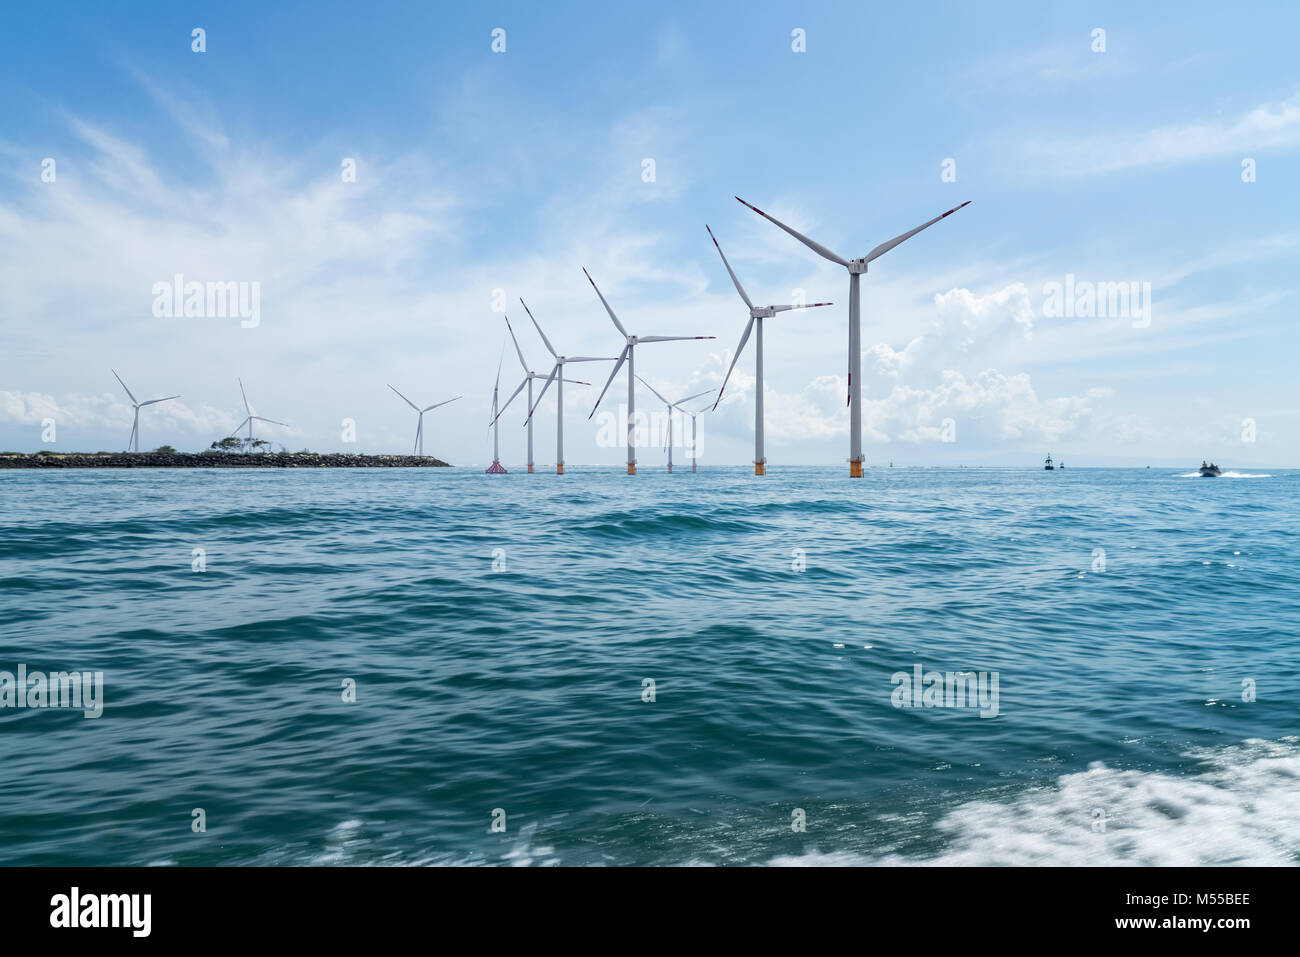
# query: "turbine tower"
671,406
529,376
251,417
556,376
133,443
756,316
418,449
628,356
856,268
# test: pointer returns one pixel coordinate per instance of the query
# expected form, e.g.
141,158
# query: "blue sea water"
500,631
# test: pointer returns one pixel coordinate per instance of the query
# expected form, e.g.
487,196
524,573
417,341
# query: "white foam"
1241,808
1228,475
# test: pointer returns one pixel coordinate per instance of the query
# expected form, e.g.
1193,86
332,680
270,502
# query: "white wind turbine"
671,406
251,417
418,448
628,356
695,445
856,268
133,443
756,316
529,376
556,376
496,468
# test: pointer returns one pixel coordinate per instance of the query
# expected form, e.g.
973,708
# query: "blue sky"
480,171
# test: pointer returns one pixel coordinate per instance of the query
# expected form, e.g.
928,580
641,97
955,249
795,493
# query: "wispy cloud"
1273,125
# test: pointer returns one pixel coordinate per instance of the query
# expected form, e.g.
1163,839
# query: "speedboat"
1210,471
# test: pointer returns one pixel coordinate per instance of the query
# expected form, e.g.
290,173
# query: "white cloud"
939,374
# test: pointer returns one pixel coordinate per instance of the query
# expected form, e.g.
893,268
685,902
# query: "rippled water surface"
514,679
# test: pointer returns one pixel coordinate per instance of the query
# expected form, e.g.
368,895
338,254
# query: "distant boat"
1049,466
1209,471
1061,464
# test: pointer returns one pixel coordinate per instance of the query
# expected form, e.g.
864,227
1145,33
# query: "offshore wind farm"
360,609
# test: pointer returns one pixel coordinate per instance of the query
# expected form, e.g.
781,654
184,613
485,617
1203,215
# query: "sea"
442,667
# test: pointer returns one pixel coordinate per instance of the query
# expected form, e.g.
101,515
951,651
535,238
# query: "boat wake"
1240,808
1242,475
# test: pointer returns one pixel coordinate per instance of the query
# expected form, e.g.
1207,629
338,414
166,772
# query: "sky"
1163,153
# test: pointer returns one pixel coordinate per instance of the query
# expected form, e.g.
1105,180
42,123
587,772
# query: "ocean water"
500,632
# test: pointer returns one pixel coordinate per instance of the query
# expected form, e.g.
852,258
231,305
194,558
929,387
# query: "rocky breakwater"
213,460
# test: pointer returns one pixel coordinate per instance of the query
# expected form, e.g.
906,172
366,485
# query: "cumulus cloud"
943,373
108,412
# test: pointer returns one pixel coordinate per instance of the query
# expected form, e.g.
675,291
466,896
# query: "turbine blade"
575,381
502,411
739,288
538,401
519,352
678,403
259,418
247,407
429,408
816,247
617,365
240,426
654,390
605,304
549,347
744,337
810,305
167,399
119,379
671,338
886,247
590,359
406,400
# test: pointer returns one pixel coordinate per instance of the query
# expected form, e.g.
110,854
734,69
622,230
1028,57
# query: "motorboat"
1209,471
1049,467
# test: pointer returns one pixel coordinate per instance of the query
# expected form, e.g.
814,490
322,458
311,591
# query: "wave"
1239,809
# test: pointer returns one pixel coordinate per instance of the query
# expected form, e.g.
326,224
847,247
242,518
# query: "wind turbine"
856,268
695,448
756,316
628,356
556,376
249,421
529,376
671,406
496,468
133,443
418,449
